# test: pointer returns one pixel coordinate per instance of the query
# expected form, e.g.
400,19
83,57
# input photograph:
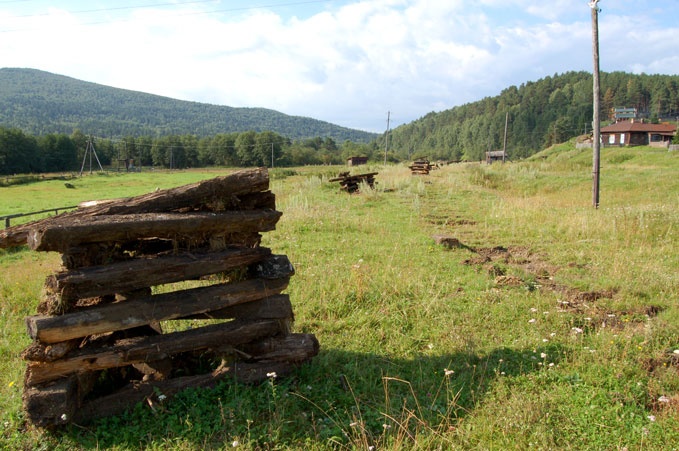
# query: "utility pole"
89,151
596,125
504,143
386,138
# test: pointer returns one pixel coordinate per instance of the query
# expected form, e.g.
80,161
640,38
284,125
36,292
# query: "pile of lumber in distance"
420,167
352,183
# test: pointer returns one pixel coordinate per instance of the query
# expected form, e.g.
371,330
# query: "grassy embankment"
553,325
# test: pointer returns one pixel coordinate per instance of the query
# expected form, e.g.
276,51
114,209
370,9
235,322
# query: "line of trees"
21,153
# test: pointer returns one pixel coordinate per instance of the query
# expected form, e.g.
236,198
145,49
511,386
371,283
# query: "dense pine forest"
538,114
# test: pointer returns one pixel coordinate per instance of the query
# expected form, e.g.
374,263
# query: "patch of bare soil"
515,256
508,281
445,220
495,260
668,360
661,403
576,300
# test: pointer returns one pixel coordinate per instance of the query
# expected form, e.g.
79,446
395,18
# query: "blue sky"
343,61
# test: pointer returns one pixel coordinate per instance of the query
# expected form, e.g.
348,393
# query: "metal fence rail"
8,218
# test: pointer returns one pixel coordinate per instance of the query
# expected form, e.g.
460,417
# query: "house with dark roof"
637,133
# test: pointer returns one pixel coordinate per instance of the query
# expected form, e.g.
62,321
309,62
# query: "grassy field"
550,325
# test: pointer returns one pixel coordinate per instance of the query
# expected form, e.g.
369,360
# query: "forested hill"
550,110
39,102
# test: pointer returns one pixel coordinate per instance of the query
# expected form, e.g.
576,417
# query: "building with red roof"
637,133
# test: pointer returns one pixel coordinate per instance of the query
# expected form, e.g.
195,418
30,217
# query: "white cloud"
347,65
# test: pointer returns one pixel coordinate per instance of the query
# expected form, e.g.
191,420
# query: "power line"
156,5
183,14
184,146
121,8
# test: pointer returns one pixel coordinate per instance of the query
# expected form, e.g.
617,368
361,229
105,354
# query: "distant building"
356,161
637,133
495,155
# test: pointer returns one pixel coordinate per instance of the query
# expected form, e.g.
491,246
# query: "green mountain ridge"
40,102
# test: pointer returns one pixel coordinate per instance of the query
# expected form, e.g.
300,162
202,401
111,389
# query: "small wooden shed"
495,155
357,161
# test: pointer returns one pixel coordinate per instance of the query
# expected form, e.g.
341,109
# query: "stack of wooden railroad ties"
158,293
420,167
352,183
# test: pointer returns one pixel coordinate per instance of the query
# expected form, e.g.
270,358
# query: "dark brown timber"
143,349
271,307
132,275
139,312
122,228
149,392
237,191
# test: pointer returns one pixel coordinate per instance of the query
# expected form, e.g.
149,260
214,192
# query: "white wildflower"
272,375
651,417
577,330
162,397
543,355
532,320
235,444
664,399
448,372
64,417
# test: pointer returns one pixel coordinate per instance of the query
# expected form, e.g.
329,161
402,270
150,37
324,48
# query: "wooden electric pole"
89,151
386,138
596,125
504,142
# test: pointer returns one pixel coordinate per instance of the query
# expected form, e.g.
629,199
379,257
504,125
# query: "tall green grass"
552,325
